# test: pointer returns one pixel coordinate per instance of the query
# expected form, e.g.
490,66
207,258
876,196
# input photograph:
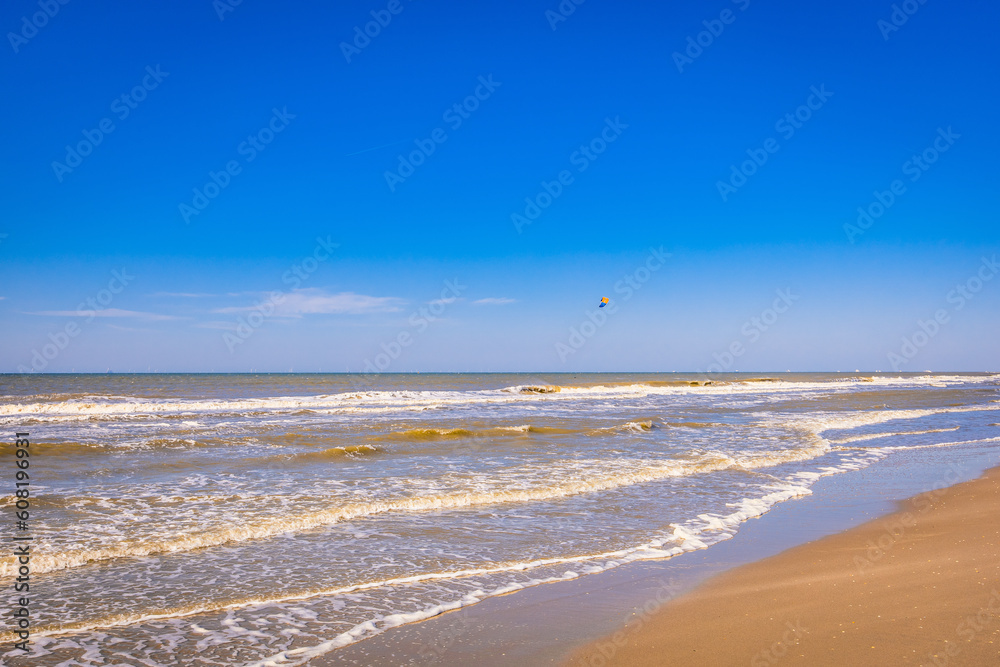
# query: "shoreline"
546,624
919,586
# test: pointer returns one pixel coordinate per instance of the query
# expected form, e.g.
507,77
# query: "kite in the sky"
604,302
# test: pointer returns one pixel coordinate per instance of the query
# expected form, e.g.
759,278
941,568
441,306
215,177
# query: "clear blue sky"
308,137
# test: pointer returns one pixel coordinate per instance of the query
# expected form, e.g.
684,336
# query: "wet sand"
917,587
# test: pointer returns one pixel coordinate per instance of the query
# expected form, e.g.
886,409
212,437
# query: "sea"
272,519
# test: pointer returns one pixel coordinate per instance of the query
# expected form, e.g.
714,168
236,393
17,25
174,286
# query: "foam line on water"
838,421
701,532
378,401
267,528
688,537
943,444
876,436
685,537
456,500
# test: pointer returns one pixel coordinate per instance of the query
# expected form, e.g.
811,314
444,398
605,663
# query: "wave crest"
533,389
235,532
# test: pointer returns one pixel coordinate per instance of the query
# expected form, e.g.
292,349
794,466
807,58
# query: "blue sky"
293,140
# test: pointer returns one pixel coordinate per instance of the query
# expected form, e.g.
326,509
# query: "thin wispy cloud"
315,301
104,312
493,301
183,295
132,329
225,326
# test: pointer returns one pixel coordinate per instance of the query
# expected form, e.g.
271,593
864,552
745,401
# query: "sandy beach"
920,586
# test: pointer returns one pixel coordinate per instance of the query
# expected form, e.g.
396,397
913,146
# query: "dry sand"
918,587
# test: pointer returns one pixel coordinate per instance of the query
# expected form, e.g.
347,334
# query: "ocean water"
271,519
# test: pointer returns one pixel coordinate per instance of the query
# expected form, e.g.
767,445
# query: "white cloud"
494,301
104,312
314,301
183,295
115,326
227,326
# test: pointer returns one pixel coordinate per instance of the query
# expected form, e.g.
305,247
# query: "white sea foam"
699,533
380,401
523,428
842,421
630,427
637,472
941,444
876,436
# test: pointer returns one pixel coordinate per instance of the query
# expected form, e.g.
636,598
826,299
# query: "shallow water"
267,519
